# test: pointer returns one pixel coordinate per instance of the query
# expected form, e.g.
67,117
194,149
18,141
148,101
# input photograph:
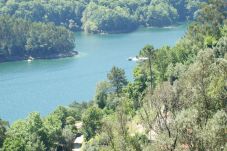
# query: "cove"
42,85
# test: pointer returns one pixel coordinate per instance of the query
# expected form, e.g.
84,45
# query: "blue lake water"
44,84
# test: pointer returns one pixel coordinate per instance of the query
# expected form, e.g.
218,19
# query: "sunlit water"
44,84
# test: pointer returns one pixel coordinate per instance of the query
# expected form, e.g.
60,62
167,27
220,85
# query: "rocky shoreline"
52,56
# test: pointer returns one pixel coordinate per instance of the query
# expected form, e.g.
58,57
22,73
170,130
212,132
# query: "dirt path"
78,142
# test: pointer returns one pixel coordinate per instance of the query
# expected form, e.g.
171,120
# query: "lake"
42,85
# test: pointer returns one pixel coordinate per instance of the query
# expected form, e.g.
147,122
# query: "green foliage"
68,135
27,135
117,78
221,47
21,38
186,8
214,133
137,141
3,128
103,19
136,89
61,129
175,72
91,122
53,125
224,31
164,58
181,114
62,12
102,91
210,41
158,13
184,109
102,15
54,132
77,109
188,127
46,39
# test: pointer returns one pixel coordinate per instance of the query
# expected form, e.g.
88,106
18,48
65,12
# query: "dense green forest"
102,15
176,102
20,39
40,29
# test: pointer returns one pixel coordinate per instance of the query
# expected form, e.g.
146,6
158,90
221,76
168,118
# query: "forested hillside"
20,39
39,28
176,102
102,15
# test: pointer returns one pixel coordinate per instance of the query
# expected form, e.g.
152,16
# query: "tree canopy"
102,15
21,38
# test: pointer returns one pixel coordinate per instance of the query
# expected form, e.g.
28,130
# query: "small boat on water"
137,59
30,59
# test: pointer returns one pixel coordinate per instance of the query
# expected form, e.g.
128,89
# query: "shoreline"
52,56
168,26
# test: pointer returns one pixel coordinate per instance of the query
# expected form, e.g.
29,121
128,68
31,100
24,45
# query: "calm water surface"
44,84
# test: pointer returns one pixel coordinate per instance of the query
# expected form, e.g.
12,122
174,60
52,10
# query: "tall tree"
117,78
91,122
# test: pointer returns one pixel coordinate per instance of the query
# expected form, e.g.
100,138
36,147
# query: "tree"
47,39
117,78
136,89
99,16
77,109
91,122
21,38
157,13
68,137
27,134
212,15
102,91
201,94
221,47
58,124
54,130
214,133
3,128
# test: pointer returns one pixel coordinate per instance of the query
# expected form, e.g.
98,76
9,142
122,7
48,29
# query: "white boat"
30,59
137,59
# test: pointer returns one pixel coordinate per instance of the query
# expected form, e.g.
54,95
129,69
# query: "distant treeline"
20,39
102,15
40,28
